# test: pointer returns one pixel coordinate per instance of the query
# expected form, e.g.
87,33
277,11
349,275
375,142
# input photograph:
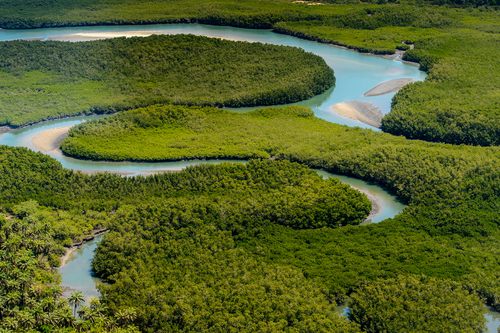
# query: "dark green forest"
450,189
206,204
268,246
46,80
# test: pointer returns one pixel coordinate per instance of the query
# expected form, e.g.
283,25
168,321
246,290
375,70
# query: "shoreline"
364,112
65,257
91,36
376,205
388,87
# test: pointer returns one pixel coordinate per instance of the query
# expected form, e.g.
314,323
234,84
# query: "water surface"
76,273
355,73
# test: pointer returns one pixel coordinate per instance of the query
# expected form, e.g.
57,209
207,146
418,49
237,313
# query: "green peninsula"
46,80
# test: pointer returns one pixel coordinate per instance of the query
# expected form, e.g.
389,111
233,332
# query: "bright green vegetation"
202,281
184,224
29,290
450,191
239,13
43,80
416,304
458,102
160,133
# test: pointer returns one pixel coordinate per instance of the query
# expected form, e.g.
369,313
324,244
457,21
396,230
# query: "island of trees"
50,79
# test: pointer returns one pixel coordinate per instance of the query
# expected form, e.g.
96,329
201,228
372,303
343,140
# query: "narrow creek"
492,317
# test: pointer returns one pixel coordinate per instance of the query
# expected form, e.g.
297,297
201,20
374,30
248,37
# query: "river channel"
355,74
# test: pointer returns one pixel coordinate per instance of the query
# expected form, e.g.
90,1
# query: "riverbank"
95,233
365,112
50,140
376,205
388,87
83,37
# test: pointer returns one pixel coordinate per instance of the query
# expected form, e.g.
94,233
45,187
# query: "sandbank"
93,172
309,3
154,172
5,129
88,36
376,205
362,111
387,87
95,233
50,140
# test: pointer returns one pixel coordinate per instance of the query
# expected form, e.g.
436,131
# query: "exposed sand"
309,3
5,129
87,36
362,111
154,172
50,140
387,87
65,257
376,205
93,172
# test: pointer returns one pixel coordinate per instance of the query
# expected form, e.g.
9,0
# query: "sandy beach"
51,140
65,257
362,111
154,172
387,87
88,36
376,205
93,172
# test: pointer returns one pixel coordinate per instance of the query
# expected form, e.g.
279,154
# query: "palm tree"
94,303
76,299
85,313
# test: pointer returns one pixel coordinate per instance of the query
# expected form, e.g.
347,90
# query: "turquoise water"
391,206
356,73
76,273
492,317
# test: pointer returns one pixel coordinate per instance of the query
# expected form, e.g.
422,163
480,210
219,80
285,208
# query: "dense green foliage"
43,80
450,189
239,13
231,246
215,203
201,280
458,102
28,291
416,304
160,133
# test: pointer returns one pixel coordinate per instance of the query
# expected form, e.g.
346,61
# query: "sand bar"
387,87
50,140
362,111
93,172
376,205
154,172
5,129
88,36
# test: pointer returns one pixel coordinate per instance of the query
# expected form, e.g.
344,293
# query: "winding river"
355,74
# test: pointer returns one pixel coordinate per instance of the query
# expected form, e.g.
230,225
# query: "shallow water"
355,73
492,317
391,205
76,273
